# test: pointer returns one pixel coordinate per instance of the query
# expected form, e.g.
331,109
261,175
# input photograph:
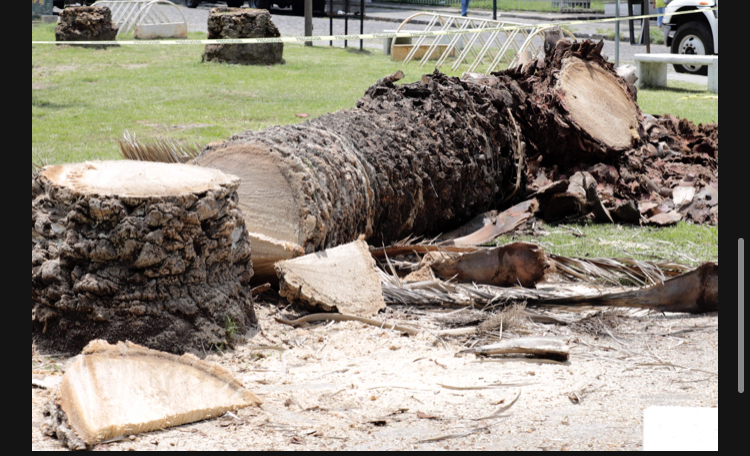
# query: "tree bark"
410,159
150,253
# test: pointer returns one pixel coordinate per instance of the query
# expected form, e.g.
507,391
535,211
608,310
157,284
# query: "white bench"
651,69
388,42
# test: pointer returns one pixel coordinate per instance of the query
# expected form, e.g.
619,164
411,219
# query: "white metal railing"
485,50
127,14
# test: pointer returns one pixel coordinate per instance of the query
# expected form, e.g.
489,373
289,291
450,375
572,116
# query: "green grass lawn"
684,243
82,100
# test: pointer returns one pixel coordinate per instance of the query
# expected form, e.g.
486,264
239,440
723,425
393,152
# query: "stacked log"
233,23
86,23
151,253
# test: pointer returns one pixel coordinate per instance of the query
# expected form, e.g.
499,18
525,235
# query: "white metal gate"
147,18
480,50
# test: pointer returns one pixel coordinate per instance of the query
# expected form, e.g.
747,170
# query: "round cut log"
153,253
86,23
597,102
574,108
233,23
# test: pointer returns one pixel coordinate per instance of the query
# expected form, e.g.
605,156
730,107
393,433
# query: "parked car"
694,33
63,3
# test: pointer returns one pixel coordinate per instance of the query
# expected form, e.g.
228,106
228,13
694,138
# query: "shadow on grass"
357,51
35,103
676,90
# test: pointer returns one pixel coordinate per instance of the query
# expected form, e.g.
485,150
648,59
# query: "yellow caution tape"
711,97
303,39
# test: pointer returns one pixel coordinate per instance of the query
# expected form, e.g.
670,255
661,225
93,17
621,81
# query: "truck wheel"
693,38
235,3
192,3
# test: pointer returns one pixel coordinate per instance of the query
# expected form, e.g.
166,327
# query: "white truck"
693,33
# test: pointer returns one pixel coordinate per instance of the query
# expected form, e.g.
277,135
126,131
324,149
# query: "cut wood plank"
112,391
544,347
343,279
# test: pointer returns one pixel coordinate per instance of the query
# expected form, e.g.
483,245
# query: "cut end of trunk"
267,201
136,179
597,101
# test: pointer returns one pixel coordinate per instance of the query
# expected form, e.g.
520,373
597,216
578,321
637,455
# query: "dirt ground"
347,386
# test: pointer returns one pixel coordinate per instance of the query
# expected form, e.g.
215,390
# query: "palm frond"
157,150
439,292
36,167
617,271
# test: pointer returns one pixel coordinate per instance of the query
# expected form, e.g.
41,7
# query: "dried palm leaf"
157,150
446,293
617,271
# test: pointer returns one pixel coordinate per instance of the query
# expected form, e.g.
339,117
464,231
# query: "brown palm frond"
157,150
612,271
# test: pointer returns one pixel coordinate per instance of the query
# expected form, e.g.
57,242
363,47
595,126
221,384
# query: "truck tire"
259,4
693,38
235,3
192,3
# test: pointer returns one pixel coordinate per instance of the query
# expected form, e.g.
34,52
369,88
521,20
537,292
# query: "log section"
151,253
